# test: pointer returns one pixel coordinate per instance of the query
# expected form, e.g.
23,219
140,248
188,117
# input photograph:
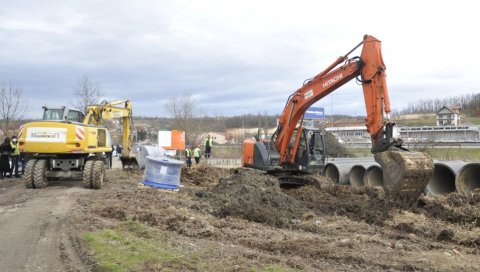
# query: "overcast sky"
234,57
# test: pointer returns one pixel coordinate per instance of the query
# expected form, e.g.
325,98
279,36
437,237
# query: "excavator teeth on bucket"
405,175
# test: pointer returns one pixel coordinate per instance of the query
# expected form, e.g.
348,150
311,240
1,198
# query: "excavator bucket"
405,175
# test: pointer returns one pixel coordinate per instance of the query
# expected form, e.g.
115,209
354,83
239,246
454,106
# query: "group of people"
196,153
9,152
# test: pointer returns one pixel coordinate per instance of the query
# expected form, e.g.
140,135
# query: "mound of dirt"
202,175
243,221
254,196
334,148
365,204
453,208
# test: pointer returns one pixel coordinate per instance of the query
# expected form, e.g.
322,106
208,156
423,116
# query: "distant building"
350,134
448,116
359,137
440,134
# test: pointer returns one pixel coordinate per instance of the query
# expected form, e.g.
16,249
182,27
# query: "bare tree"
12,105
183,112
86,92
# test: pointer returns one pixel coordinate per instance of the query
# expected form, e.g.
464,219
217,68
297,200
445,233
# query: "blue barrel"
162,172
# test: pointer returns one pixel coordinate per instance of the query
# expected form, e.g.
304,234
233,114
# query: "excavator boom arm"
111,110
369,67
405,174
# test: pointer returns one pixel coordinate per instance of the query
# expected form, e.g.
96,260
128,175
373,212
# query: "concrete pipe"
357,173
468,178
373,176
338,172
443,179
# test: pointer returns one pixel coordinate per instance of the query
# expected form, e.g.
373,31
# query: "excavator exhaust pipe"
468,179
405,175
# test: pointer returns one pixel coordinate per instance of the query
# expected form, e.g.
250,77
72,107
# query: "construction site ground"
231,220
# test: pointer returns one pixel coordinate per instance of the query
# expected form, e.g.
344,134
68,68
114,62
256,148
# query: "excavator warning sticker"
20,131
79,133
308,94
46,135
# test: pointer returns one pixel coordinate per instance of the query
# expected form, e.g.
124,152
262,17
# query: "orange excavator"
295,150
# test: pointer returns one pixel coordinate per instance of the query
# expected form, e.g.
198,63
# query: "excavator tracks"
405,175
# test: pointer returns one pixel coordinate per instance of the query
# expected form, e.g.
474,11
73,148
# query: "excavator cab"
310,156
62,114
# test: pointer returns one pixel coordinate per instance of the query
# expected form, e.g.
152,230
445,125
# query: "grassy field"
424,120
471,120
464,154
360,152
226,152
132,246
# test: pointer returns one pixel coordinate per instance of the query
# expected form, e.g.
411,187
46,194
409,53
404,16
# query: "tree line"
469,103
13,104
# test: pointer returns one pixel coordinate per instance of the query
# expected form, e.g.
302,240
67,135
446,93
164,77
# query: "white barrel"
148,150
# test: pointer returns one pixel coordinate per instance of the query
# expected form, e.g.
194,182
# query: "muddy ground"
247,222
240,220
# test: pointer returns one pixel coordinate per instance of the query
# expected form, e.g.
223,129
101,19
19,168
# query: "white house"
448,116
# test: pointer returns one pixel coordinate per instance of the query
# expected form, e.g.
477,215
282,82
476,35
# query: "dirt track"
223,220
33,227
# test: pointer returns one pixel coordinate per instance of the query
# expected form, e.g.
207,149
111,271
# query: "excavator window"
102,138
75,116
53,114
316,147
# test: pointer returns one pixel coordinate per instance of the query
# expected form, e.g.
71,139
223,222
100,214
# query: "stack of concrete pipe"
348,170
448,176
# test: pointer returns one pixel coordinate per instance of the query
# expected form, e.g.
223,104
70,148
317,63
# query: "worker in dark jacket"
208,146
119,150
15,157
109,156
5,151
188,156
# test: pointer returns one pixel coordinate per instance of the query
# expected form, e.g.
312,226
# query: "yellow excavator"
69,144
